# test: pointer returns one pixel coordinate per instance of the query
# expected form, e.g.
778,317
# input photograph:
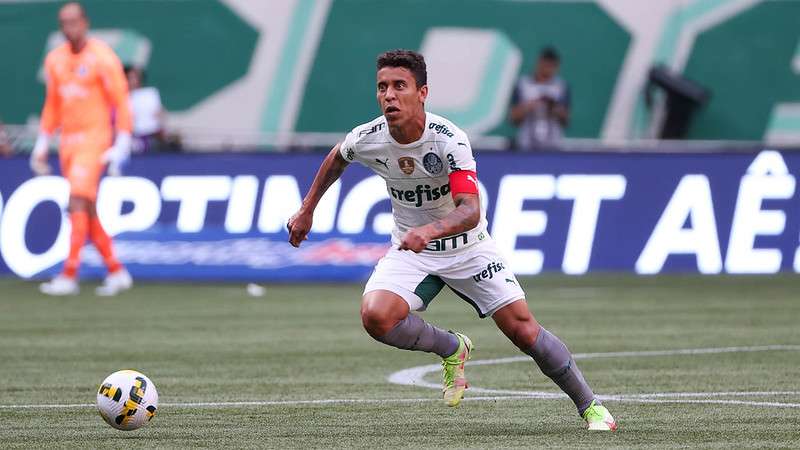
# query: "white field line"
260,403
345,401
709,394
415,377
719,402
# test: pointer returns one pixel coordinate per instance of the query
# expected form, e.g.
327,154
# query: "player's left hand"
117,154
416,239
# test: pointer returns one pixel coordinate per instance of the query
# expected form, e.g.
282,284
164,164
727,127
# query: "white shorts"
479,275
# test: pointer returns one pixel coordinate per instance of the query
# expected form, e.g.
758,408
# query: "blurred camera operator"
540,104
148,114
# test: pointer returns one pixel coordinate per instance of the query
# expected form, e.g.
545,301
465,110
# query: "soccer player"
86,96
439,238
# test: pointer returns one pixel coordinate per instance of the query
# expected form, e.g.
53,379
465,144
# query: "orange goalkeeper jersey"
85,92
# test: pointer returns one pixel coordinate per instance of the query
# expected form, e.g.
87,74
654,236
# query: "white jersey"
417,175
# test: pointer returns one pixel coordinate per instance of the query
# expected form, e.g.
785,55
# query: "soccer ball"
127,400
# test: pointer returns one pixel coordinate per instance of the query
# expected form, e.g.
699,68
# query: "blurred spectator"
540,105
148,114
5,143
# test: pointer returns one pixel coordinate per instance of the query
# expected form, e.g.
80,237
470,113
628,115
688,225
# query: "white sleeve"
157,97
459,155
348,147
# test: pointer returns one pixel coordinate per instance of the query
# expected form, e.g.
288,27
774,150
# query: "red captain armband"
463,182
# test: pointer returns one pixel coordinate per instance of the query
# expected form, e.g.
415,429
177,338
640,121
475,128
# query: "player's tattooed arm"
331,169
465,217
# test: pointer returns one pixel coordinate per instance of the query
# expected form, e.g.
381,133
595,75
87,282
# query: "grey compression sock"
413,333
555,361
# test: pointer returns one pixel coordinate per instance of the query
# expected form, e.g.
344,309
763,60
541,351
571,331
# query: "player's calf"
413,333
386,318
555,361
550,354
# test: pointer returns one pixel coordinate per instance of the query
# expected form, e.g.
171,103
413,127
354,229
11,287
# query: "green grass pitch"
300,350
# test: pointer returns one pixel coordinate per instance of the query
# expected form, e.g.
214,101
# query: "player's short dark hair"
411,60
550,53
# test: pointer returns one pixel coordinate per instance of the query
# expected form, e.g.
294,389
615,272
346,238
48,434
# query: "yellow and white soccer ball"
127,400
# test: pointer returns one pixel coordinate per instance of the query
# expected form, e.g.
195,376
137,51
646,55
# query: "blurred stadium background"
249,85
255,91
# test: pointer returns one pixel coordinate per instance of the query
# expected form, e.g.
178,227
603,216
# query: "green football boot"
453,371
598,418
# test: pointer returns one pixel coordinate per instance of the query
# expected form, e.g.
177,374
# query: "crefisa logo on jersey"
488,273
440,129
451,161
420,194
433,164
406,164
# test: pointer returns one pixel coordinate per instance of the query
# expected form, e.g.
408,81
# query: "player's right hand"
299,225
415,239
38,161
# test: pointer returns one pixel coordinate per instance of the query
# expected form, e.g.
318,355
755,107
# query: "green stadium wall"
308,65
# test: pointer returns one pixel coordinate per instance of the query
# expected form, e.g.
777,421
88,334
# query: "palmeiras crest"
433,164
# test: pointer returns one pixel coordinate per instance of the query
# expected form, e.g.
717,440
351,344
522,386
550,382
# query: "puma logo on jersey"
384,162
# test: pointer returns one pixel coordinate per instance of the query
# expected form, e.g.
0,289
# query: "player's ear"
423,93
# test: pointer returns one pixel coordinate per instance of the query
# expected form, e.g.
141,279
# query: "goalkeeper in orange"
87,97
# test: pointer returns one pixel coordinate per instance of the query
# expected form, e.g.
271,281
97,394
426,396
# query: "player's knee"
527,331
517,322
522,331
375,319
79,204
377,325
379,317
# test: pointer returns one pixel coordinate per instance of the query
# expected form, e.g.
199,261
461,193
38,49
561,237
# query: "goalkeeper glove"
38,161
117,154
